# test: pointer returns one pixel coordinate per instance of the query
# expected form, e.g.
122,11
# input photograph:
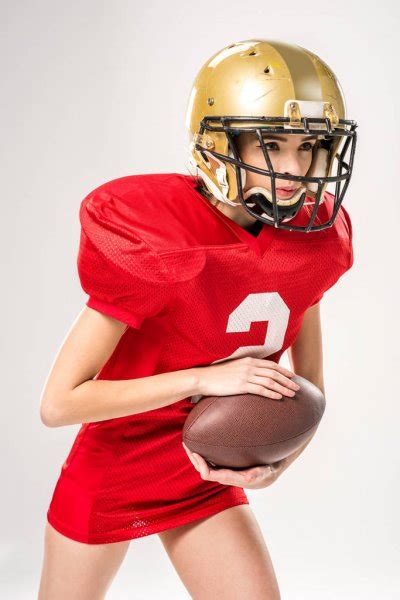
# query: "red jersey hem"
121,536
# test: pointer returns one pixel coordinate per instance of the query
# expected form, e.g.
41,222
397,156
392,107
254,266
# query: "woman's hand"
254,478
246,375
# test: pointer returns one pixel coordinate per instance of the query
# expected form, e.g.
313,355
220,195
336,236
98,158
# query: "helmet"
263,85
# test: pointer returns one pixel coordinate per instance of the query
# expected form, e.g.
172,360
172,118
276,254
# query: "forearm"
98,400
306,360
305,353
308,366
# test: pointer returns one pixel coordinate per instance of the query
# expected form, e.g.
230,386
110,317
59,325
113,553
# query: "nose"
290,165
292,183
288,183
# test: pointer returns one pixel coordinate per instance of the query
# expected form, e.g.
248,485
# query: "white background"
98,90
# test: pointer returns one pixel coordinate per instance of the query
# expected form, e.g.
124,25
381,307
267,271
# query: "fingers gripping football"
247,375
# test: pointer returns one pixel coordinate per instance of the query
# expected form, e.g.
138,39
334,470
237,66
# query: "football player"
197,284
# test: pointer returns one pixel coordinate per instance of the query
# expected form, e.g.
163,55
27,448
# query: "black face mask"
276,214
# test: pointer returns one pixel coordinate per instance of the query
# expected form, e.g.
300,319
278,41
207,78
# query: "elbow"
51,415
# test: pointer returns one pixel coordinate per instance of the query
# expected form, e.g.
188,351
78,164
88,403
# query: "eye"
306,146
270,146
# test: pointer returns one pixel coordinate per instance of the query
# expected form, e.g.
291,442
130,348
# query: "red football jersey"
194,288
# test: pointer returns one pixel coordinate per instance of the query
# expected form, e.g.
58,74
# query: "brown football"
246,430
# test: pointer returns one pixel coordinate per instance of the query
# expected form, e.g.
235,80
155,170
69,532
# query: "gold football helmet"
259,85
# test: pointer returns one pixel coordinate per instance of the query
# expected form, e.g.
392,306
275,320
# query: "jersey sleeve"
348,256
124,277
350,235
318,299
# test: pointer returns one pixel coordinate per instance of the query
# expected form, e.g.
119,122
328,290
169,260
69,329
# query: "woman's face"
290,155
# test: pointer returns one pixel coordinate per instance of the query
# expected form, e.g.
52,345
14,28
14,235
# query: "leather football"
247,430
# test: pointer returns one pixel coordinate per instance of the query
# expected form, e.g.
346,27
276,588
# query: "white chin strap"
268,195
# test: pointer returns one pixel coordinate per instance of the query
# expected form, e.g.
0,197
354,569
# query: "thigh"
223,557
75,570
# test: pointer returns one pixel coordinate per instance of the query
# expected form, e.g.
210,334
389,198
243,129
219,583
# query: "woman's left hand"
254,478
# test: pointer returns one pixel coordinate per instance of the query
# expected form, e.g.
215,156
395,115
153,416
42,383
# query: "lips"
286,189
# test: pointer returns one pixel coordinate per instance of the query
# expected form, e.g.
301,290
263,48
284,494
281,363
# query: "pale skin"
290,155
70,396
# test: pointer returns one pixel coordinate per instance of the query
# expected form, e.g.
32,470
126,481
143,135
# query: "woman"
197,284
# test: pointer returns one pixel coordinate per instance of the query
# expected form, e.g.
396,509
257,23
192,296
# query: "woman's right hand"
246,375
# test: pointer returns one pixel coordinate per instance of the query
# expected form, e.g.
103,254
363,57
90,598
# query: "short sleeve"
123,276
349,227
343,259
317,300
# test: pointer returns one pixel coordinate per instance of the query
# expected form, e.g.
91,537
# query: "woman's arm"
305,356
71,396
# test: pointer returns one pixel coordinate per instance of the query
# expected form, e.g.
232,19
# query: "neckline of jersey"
259,244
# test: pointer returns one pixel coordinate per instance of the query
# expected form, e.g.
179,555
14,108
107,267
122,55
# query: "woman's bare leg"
75,570
223,557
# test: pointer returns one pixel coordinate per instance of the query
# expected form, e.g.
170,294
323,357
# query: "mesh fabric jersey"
193,288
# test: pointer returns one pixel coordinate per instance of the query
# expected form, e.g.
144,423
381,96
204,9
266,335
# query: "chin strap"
268,195
288,208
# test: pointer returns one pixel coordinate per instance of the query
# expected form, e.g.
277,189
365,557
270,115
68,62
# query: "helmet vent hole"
267,70
252,53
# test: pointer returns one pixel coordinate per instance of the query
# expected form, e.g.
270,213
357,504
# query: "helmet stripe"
305,79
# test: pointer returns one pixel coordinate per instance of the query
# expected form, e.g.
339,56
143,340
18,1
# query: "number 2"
263,306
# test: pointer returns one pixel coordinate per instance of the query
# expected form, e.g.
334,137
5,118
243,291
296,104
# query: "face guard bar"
277,214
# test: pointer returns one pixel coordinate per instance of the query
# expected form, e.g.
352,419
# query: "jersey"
193,288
